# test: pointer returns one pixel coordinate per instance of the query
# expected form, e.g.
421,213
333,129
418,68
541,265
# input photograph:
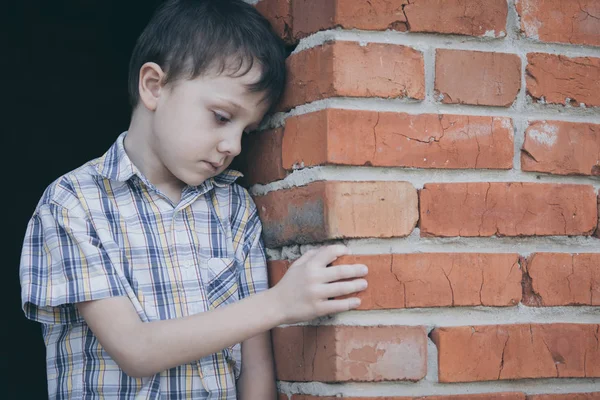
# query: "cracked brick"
507,209
350,353
563,80
478,78
458,17
432,279
562,148
386,139
523,351
349,69
559,279
574,22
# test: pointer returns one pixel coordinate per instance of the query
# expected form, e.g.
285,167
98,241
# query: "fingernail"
364,270
355,302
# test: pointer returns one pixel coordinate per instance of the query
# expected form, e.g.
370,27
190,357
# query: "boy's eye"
221,119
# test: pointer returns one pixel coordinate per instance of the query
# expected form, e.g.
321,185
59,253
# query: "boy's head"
202,73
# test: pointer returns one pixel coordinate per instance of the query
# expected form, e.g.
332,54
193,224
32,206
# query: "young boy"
145,266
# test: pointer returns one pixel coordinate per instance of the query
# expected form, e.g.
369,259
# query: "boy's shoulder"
63,190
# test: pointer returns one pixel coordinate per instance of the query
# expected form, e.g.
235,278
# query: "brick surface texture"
350,353
317,212
454,147
485,353
573,22
507,209
386,139
349,69
558,279
562,148
558,79
475,77
433,280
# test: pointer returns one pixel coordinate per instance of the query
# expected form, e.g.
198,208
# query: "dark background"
65,65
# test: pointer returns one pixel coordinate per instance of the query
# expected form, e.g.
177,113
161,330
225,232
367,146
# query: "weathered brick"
459,17
279,14
475,77
334,210
314,15
350,353
562,148
432,279
480,396
555,279
575,22
487,353
261,158
349,69
562,80
566,396
507,209
386,139
597,234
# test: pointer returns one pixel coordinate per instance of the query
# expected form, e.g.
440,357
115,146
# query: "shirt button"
188,265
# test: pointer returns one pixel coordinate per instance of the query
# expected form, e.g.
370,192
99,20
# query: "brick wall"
455,147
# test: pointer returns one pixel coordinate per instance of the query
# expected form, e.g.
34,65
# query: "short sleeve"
63,263
253,278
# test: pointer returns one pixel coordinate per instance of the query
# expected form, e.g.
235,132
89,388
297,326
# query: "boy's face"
198,124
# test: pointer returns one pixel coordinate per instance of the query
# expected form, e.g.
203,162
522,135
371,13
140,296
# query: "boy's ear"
150,84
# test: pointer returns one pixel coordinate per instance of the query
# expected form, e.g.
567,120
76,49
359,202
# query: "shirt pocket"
220,280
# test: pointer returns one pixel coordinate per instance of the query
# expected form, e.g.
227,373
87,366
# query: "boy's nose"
231,146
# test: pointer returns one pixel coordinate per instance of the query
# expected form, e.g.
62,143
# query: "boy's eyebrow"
232,103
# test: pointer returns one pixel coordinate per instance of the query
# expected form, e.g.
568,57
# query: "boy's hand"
305,291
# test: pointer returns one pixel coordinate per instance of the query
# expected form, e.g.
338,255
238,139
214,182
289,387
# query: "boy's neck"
140,152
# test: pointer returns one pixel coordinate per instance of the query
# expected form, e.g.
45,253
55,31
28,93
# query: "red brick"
575,22
432,279
507,209
597,234
350,353
488,353
349,69
387,139
279,14
563,279
315,15
560,80
334,210
567,396
475,77
481,396
562,148
459,17
261,158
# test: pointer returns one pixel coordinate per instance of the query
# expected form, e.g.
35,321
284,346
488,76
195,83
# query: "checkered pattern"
103,230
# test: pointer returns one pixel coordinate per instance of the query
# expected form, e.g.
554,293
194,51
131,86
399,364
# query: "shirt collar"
116,165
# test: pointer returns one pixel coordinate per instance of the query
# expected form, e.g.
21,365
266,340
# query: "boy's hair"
187,37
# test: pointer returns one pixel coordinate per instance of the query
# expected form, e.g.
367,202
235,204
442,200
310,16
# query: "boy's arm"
257,380
144,349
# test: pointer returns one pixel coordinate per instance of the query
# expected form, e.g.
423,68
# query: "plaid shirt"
103,230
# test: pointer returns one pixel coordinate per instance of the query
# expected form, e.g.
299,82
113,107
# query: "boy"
146,266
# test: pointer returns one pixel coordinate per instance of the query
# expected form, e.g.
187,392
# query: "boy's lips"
214,166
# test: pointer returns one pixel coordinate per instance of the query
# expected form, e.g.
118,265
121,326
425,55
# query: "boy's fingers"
343,288
339,272
337,306
327,255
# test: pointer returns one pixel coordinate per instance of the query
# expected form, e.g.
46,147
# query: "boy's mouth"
214,166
